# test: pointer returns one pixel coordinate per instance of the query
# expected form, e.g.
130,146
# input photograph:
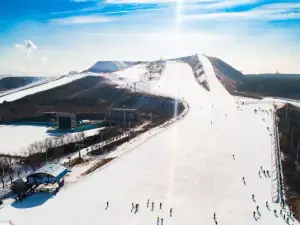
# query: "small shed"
48,174
20,185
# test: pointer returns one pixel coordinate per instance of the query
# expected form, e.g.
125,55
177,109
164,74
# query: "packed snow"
194,167
136,77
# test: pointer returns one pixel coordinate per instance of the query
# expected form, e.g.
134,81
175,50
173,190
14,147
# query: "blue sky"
252,35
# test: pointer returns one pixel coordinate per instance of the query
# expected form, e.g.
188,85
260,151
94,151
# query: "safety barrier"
277,184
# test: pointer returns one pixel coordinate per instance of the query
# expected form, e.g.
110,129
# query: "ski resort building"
121,114
48,174
66,121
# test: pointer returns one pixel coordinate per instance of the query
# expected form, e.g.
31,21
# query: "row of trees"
35,156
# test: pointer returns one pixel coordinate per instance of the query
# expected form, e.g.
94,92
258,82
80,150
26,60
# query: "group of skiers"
257,215
135,208
265,172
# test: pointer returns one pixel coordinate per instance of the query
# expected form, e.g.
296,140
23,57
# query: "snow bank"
107,66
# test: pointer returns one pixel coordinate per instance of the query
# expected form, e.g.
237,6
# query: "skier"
267,205
261,168
107,204
268,173
253,198
132,206
152,206
157,220
257,208
160,205
215,216
275,212
287,219
264,172
254,215
259,174
148,203
161,221
281,212
233,157
171,212
244,180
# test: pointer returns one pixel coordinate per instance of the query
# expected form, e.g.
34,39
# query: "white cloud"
154,1
28,47
221,4
34,60
267,12
83,20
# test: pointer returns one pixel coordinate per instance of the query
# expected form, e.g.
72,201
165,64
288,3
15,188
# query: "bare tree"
11,168
32,158
24,153
79,137
3,166
61,141
48,143
19,171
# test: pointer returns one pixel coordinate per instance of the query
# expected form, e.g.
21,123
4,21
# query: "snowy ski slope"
189,167
35,89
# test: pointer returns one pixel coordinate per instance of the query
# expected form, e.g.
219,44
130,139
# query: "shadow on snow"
32,201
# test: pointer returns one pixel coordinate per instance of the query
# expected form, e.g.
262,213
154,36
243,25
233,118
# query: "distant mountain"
10,82
107,66
276,75
278,85
226,70
2,76
275,85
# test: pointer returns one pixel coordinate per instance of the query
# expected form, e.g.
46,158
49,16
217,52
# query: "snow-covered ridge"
198,70
40,86
107,66
41,81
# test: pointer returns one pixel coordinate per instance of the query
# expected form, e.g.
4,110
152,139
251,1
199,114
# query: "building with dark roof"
48,174
119,114
66,121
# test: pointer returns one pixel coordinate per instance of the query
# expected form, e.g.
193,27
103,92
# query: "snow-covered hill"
38,87
107,66
189,168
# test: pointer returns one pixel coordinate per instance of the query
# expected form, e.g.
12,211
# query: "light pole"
102,141
46,152
297,152
124,118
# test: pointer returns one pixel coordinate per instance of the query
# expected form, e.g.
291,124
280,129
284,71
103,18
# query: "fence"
277,184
